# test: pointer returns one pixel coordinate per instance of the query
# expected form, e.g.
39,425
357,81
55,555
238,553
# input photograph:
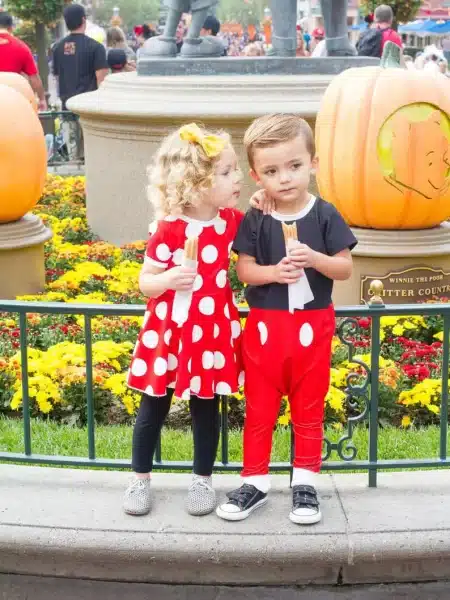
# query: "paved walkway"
69,523
17,587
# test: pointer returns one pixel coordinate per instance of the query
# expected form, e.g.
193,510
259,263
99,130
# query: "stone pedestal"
125,120
22,268
414,266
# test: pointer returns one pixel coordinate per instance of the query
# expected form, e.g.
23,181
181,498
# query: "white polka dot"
149,390
221,279
198,282
219,360
210,254
193,229
139,367
180,347
306,335
196,384
190,365
170,218
235,329
161,310
263,333
163,252
150,339
160,366
208,360
178,256
153,227
146,318
220,227
172,385
226,311
223,388
230,246
216,331
186,395
206,306
235,302
168,336
197,333
172,362
241,379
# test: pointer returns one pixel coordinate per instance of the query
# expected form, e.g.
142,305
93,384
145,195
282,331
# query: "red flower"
364,322
423,372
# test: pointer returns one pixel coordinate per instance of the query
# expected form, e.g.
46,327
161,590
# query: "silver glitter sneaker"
201,498
137,499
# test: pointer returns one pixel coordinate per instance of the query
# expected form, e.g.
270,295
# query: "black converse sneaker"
241,503
305,505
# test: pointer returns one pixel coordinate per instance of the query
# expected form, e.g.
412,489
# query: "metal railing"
64,138
361,391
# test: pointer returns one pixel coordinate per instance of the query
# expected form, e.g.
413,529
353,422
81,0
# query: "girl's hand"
263,202
302,256
286,272
180,279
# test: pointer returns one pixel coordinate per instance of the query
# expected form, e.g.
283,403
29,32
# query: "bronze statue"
284,17
193,44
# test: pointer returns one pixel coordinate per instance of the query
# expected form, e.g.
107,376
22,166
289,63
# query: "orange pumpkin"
383,142
23,156
21,85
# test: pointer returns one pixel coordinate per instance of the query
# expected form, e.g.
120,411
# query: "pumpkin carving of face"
383,137
413,149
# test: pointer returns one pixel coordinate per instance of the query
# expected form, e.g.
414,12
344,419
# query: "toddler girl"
189,342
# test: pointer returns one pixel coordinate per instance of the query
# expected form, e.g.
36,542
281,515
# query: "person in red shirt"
384,18
16,57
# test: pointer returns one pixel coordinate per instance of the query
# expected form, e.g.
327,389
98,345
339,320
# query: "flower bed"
83,269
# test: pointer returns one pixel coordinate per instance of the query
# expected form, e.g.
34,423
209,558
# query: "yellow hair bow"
212,145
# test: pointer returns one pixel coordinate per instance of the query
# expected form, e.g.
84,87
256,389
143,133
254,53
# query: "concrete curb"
170,547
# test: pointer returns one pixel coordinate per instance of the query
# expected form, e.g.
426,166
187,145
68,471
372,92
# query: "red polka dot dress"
201,357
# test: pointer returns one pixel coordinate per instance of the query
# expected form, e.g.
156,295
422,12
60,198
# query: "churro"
191,248
289,232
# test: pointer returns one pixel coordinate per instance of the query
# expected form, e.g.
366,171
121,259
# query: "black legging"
150,419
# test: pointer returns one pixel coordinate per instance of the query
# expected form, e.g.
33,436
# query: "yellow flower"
335,399
406,421
398,330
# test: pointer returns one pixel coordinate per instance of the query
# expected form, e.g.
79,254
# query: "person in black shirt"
289,260
79,62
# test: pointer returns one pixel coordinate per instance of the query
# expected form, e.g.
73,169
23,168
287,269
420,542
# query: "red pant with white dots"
286,355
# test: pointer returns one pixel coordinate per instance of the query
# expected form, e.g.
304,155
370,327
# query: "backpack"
370,43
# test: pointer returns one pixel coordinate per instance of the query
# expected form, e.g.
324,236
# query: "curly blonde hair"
181,173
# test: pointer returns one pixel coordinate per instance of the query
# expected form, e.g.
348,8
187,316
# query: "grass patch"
114,441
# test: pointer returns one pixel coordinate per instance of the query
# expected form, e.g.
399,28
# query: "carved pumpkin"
383,142
23,156
21,85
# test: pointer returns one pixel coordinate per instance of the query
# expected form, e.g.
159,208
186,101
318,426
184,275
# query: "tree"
246,12
27,33
41,13
404,10
132,12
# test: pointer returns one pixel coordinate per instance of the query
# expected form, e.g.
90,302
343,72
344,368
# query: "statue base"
22,261
273,65
125,121
414,266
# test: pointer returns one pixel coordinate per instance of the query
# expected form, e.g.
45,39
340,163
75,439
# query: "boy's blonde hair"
181,173
275,129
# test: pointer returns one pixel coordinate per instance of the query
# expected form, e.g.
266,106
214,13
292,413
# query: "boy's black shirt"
319,225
